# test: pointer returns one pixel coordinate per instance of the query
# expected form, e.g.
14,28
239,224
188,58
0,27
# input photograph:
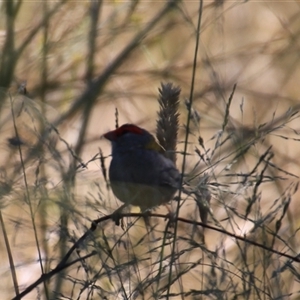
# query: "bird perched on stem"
139,173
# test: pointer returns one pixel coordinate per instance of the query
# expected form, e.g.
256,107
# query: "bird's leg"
146,213
170,215
115,216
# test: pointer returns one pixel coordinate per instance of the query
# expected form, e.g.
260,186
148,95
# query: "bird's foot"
116,216
146,214
171,216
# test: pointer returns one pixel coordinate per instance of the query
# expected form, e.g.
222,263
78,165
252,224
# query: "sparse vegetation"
70,70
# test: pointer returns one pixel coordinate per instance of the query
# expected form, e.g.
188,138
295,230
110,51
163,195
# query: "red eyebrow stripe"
128,128
114,134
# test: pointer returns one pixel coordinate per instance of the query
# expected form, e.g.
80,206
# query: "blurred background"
70,70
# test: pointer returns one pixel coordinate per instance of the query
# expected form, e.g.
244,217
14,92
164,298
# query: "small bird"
139,173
